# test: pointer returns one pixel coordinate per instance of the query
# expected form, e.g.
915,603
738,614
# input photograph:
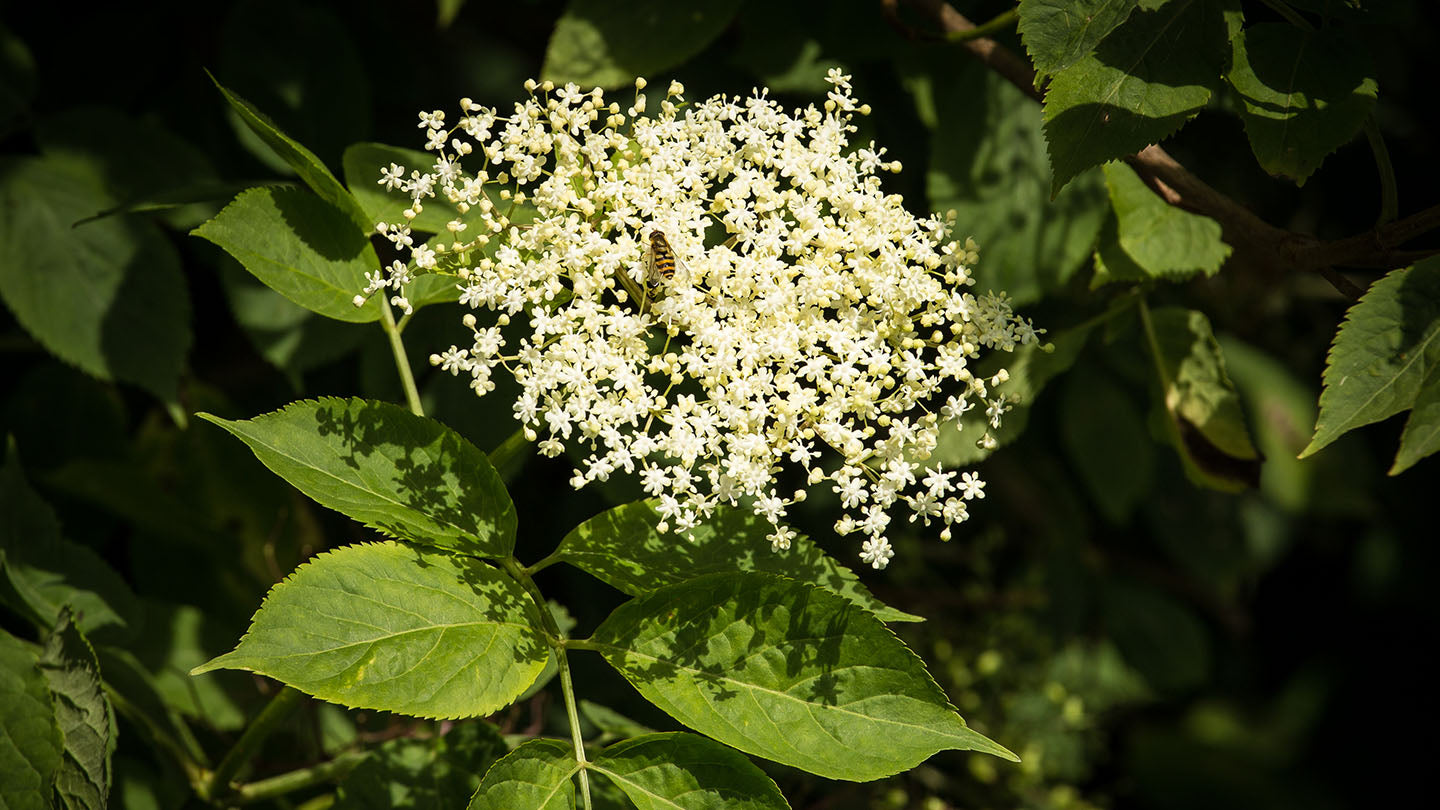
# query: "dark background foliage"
1138,640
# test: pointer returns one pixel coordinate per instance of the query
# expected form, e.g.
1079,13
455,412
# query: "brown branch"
1242,229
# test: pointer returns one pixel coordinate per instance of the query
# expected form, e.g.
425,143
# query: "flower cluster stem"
559,641
402,361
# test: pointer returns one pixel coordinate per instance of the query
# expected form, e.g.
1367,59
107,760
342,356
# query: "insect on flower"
659,270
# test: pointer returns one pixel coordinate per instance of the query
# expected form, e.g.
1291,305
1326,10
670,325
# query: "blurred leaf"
608,43
309,168
776,47
687,772
988,163
422,772
45,573
1303,94
289,336
1385,360
183,207
1104,433
301,247
1204,411
134,691
1158,636
1374,12
131,158
1281,408
30,754
57,413
535,776
1164,241
1058,33
129,493
17,77
396,628
1145,80
312,78
625,548
87,723
407,476
447,11
786,671
362,165
178,638
107,296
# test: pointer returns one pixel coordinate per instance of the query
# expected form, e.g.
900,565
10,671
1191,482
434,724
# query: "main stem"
402,361
567,685
270,718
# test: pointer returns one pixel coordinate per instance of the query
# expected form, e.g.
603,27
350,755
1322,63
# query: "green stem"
996,24
269,719
506,458
1153,342
402,362
186,750
567,685
275,786
1389,195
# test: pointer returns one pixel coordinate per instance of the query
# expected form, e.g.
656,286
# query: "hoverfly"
659,270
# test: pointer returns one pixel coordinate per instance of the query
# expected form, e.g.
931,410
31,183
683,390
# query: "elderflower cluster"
813,332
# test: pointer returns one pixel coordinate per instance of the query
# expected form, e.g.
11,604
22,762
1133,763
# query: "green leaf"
1303,94
407,476
535,776
1104,434
45,573
1422,430
362,165
1058,33
309,168
1164,241
625,548
1385,360
30,742
1112,264
107,296
611,722
1144,81
1207,423
396,628
420,773
301,247
988,164
786,671
678,771
608,43
87,723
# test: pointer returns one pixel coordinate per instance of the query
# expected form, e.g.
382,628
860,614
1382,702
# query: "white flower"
812,325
